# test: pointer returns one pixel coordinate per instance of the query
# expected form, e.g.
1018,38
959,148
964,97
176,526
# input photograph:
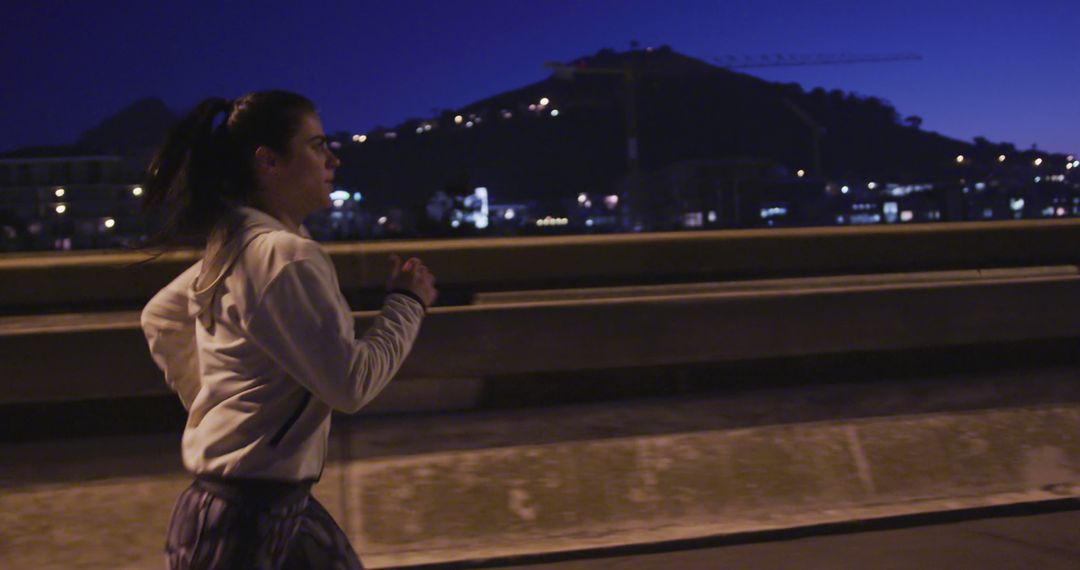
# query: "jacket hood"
223,248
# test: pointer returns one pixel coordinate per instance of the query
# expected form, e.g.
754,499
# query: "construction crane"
788,60
631,73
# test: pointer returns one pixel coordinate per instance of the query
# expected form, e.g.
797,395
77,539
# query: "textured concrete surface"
573,493
604,493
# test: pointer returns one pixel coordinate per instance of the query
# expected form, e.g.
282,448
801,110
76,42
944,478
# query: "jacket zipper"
292,420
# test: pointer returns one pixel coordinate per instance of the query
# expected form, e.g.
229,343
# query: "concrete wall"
108,279
64,357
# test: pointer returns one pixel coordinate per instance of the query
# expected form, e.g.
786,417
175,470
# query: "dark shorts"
229,523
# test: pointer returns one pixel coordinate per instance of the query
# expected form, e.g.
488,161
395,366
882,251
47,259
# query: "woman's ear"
265,159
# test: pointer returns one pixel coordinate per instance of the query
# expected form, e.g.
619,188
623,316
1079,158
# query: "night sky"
1006,70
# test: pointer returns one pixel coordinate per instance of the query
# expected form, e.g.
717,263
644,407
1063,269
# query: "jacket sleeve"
304,325
170,334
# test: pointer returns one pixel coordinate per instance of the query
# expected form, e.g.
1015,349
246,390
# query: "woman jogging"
256,338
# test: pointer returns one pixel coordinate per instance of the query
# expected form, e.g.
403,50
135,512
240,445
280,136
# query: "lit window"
1038,162
554,112
544,101
59,192
110,223
136,191
60,209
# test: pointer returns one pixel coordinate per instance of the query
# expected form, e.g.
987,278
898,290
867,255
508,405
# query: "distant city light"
339,203
907,216
1016,204
110,223
359,138
844,189
1070,158
390,135
1038,179
554,112
356,196
469,124
800,173
532,106
959,159
872,185
382,220
1060,211
339,195
60,209
582,198
544,101
459,119
1038,162
59,192
419,130
611,201
507,114
427,126
1001,158
509,214
550,221
136,191
1076,164
589,222
455,223
712,216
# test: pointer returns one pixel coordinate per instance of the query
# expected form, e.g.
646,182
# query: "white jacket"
258,342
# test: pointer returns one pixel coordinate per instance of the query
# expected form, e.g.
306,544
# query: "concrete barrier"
581,494
464,266
589,494
60,358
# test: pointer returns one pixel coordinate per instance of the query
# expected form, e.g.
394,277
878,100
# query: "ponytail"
204,169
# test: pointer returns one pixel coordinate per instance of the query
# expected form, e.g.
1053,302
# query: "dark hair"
203,171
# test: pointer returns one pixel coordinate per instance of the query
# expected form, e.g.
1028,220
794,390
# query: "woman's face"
305,176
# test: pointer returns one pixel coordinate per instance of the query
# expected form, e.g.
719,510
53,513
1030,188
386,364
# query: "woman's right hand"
412,276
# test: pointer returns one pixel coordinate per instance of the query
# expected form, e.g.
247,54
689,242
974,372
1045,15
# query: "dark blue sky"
1006,70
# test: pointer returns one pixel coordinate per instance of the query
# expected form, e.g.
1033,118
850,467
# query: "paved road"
1045,542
